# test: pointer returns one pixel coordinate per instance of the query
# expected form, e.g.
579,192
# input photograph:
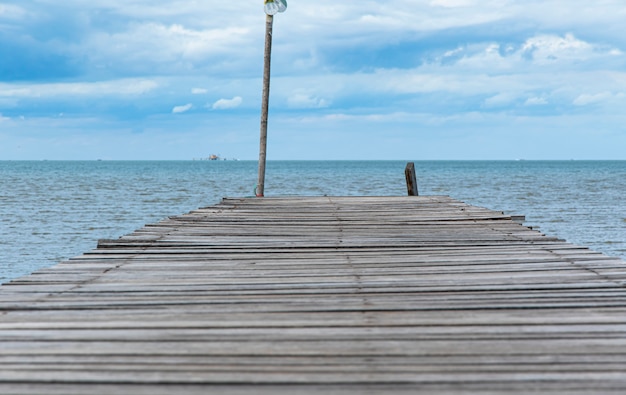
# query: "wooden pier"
321,295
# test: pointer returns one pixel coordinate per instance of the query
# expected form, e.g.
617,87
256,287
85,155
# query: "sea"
51,211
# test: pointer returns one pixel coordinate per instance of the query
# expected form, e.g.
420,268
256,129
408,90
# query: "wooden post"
411,179
269,22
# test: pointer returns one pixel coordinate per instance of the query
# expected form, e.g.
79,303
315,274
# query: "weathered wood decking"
320,296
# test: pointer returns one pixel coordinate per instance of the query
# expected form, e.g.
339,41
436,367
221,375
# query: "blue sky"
394,79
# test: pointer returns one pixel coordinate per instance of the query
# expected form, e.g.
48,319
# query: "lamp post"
272,7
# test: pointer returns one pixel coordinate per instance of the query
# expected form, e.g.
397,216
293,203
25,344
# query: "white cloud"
500,100
450,3
10,11
168,47
300,100
182,109
226,104
122,87
550,48
536,101
435,57
538,51
342,117
157,9
586,99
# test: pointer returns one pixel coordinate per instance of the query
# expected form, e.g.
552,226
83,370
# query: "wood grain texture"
312,295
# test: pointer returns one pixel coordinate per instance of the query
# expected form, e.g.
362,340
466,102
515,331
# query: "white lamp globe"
272,7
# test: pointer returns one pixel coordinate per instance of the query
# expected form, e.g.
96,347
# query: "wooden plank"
420,294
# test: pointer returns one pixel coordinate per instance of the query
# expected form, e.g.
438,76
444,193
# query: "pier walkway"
321,295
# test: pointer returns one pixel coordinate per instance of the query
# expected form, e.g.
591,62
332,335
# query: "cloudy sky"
393,79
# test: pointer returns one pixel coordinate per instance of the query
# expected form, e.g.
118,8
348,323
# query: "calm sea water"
54,210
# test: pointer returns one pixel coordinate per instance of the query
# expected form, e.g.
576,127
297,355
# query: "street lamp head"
273,7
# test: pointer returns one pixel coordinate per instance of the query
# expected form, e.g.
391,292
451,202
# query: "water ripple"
51,211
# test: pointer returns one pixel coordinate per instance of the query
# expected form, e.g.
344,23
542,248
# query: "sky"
388,80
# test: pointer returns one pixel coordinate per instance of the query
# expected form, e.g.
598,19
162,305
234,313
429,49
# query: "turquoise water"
54,210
